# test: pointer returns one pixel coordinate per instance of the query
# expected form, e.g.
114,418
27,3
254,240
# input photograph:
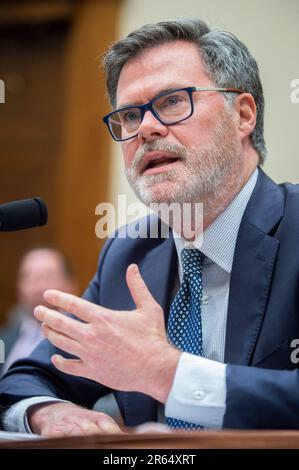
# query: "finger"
59,322
138,289
63,342
108,426
89,427
71,303
69,366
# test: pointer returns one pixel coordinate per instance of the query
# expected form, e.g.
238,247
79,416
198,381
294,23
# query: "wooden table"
178,440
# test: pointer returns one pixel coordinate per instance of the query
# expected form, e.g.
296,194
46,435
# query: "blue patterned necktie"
184,323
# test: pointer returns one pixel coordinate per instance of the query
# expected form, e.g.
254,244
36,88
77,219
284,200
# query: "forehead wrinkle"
175,64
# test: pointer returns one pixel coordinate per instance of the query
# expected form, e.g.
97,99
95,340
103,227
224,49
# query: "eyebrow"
160,92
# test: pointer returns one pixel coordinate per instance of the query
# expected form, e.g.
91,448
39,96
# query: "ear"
246,109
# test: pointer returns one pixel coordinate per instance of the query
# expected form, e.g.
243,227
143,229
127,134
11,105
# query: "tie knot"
192,261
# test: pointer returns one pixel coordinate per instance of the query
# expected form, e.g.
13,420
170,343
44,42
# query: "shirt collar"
219,239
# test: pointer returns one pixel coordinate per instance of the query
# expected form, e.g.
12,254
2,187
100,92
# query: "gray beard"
211,175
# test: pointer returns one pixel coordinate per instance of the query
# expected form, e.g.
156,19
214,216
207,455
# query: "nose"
151,128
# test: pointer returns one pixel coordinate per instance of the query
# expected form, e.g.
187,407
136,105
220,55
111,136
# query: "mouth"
158,162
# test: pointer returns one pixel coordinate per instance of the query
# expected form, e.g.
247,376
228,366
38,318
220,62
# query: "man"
39,269
203,329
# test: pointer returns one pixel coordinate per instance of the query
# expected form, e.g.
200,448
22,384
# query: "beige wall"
270,29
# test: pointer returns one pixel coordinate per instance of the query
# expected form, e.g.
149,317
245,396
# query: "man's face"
203,152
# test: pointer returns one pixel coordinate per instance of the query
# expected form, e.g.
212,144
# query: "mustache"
158,145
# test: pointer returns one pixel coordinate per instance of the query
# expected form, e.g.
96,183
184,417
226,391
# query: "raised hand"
124,350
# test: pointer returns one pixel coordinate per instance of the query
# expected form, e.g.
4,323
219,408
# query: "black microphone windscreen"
26,213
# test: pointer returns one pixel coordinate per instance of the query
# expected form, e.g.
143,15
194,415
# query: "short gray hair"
226,60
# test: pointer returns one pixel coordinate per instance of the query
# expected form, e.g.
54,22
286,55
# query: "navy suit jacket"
9,335
263,318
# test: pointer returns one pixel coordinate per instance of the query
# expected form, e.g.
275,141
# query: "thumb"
139,291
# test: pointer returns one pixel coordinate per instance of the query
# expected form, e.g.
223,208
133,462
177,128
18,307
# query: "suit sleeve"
36,376
261,398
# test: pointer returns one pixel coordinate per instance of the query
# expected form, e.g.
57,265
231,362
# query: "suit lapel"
252,270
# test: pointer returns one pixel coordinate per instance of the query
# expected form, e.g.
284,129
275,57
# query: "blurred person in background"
39,269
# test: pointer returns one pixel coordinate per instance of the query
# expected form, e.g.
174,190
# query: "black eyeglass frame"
149,107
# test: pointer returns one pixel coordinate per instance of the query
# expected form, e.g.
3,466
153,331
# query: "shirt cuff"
15,418
198,393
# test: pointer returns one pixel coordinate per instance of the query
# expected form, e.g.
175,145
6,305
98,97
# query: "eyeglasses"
169,108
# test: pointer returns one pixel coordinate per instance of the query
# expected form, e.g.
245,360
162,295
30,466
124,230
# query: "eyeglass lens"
170,108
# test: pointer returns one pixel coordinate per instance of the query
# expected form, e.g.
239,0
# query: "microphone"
19,215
